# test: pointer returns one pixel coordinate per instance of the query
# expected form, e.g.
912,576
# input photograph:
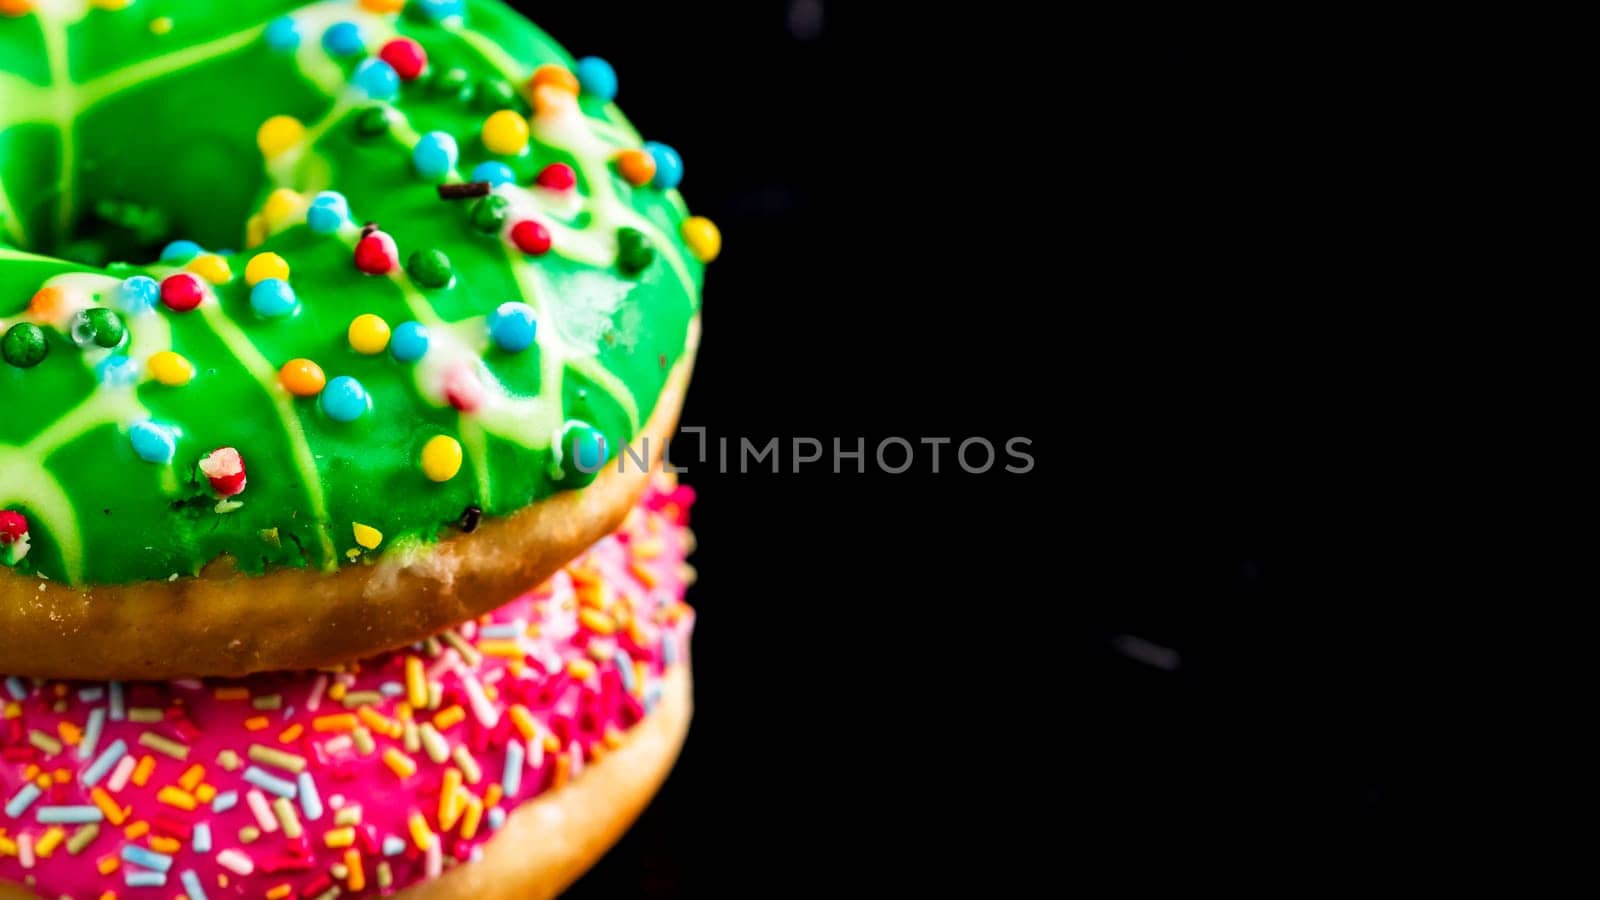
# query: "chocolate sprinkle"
464,191
470,519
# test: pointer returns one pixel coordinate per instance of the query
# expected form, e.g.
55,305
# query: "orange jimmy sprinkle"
336,722
448,718
256,723
291,734
141,774
232,693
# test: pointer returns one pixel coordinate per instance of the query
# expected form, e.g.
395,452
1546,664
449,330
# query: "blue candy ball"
282,35
273,298
345,400
154,443
496,173
583,451
377,79
179,252
138,294
669,165
440,9
117,370
329,210
409,342
343,39
333,200
435,155
512,327
596,77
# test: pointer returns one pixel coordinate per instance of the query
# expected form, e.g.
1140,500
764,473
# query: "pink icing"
547,664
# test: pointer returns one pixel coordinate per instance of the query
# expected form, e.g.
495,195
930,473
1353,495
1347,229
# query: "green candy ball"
24,345
635,253
372,122
430,268
489,214
98,327
494,94
452,82
584,452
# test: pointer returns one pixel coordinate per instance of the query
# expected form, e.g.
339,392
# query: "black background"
1131,244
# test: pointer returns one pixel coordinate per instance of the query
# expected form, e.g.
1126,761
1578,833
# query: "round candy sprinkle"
406,57
374,121
138,294
14,526
46,303
179,252
273,298
553,75
265,265
558,177
409,342
669,165
495,173
212,268
15,8
596,78
278,135
703,237
377,79
463,389
531,237
283,35
117,370
302,378
342,39
584,451
224,468
368,334
439,9
282,209
345,400
489,214
171,369
454,80
494,94
329,211
441,458
366,535
435,155
24,345
634,251
153,443
636,167
430,268
97,327
383,6
505,133
182,292
376,254
512,327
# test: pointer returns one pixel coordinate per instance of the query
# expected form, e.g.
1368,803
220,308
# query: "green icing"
160,144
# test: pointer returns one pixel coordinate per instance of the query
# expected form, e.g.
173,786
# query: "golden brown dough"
223,623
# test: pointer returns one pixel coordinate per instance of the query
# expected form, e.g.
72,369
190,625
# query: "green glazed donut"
301,285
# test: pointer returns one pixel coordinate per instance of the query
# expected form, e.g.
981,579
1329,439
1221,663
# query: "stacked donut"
342,564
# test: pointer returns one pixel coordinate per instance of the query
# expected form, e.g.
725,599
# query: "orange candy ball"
636,167
554,76
46,304
302,378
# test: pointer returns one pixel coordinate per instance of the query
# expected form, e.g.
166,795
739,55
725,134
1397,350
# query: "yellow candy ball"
369,334
366,535
302,378
255,231
505,133
111,5
170,368
441,458
278,135
703,237
162,25
266,265
212,268
383,6
283,208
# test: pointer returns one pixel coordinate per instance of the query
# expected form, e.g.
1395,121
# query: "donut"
323,326
498,759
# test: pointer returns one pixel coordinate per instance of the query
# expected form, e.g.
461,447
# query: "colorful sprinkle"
283,35
153,443
138,294
284,207
170,369
531,237
489,214
377,79
512,326
406,57
263,266
596,78
368,334
278,135
441,460
554,76
557,177
212,268
302,378
179,252
343,39
635,253
584,452
505,133
24,345
410,342
493,173
636,167
669,165
97,327
435,155
117,370
273,298
440,9
345,400
182,292
430,268
703,237
366,535
376,254
328,212
224,469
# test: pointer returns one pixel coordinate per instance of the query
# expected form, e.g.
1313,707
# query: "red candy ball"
224,468
531,237
182,292
13,527
376,254
463,390
558,177
406,57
